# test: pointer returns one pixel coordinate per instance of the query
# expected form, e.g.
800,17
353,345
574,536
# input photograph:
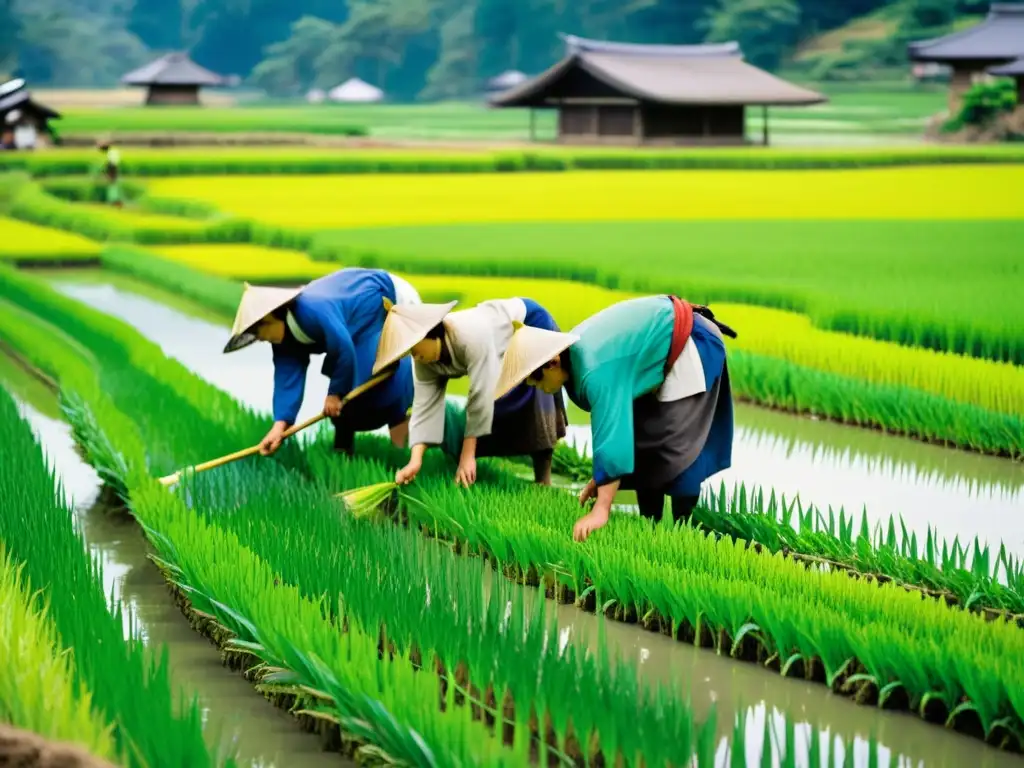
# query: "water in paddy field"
264,735
825,464
268,737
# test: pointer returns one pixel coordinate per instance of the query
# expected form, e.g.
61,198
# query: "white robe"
476,340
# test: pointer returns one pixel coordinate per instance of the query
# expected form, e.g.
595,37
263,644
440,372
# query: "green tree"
765,29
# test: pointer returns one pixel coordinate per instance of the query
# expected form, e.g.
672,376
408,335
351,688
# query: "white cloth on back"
476,340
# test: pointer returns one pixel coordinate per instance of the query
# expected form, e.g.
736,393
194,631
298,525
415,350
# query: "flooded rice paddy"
235,715
266,736
958,493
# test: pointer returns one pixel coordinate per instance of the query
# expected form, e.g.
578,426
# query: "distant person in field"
652,373
112,170
449,345
341,316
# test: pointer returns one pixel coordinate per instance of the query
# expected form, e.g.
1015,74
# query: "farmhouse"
972,53
24,122
173,79
624,93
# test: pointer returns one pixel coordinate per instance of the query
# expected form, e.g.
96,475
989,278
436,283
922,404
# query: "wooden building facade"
621,93
173,80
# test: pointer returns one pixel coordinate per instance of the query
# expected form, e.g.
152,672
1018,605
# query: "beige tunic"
476,340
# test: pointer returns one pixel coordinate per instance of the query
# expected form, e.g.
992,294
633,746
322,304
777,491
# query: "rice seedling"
101,222
129,686
21,242
751,517
774,333
421,199
364,502
874,278
248,262
218,294
165,161
145,500
37,691
720,594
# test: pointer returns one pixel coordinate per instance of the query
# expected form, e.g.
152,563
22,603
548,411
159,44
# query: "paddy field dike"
850,592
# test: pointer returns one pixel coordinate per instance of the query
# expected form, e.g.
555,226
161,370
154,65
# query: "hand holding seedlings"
408,473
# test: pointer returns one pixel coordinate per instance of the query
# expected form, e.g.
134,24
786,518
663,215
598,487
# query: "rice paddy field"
850,591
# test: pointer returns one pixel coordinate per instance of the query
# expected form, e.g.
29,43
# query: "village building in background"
976,52
24,122
625,93
508,79
356,91
174,79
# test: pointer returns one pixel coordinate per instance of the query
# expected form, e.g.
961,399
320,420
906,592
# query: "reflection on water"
236,717
820,463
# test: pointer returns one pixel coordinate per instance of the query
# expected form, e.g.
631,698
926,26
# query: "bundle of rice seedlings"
364,502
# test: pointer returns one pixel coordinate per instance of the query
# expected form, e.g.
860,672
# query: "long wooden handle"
252,451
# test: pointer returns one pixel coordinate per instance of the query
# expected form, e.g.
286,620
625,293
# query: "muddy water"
731,687
235,715
821,463
266,736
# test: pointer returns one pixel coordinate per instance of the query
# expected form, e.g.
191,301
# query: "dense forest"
433,49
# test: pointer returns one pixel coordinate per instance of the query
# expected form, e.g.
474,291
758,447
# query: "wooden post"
638,125
764,125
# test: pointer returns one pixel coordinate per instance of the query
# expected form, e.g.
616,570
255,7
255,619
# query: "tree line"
426,49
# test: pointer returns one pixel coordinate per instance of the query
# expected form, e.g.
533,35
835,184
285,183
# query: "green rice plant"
113,348
218,294
129,687
364,502
751,517
873,278
146,500
900,410
37,691
99,222
163,162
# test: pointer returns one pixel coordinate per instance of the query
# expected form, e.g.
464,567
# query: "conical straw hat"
406,326
257,302
529,349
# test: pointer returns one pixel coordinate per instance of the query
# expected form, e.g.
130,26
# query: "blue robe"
343,313
621,356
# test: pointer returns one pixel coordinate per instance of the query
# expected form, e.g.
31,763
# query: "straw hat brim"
257,302
405,326
529,349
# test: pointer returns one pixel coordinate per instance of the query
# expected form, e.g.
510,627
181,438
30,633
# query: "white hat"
529,349
405,326
257,302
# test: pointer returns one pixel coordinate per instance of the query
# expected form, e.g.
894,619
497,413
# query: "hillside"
445,49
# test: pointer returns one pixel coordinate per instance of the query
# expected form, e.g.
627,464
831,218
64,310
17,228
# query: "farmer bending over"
341,316
449,345
652,373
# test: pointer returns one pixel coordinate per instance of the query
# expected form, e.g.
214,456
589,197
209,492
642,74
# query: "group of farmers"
651,372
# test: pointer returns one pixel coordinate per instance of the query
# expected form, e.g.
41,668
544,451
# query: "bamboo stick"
252,451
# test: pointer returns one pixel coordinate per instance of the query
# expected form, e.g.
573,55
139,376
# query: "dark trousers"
344,437
653,502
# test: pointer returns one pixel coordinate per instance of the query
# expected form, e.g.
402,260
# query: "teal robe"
620,356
